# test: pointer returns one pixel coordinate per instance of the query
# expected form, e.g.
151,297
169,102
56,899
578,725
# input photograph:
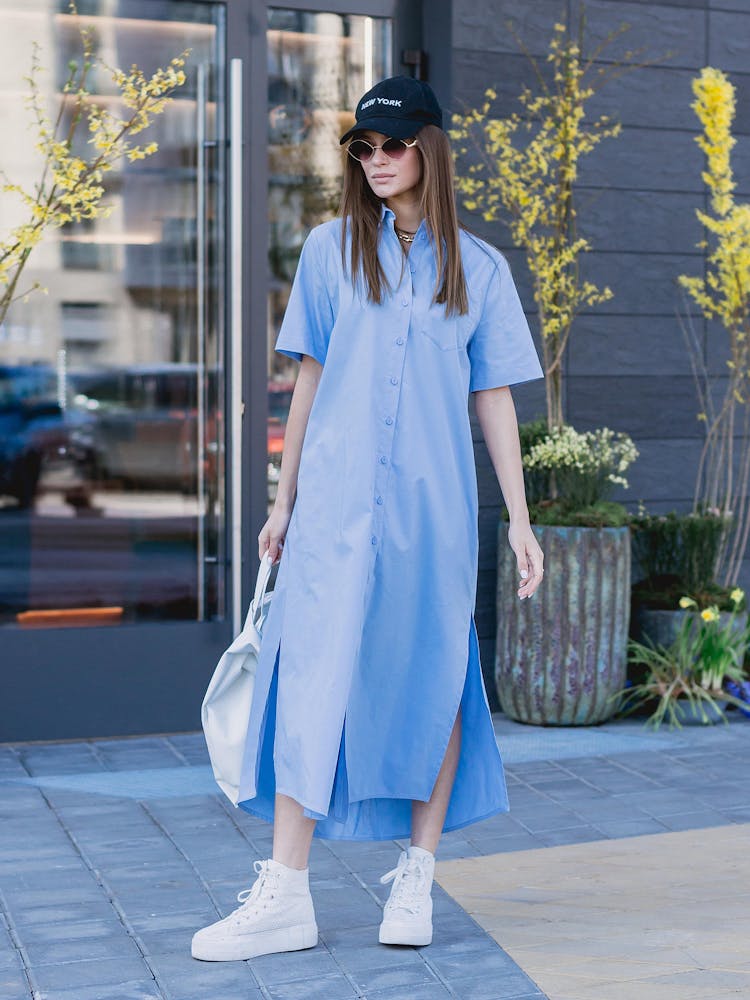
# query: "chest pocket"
448,333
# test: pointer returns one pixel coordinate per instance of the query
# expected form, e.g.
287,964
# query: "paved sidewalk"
658,917
113,851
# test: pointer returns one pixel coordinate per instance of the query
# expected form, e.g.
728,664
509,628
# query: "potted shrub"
675,555
562,655
693,678
722,294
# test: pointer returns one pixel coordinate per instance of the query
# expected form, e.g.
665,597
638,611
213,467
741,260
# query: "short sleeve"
501,351
308,318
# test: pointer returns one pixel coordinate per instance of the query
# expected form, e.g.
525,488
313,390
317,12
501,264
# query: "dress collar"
388,213
385,211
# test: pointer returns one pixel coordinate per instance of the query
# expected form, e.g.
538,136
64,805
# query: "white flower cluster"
602,452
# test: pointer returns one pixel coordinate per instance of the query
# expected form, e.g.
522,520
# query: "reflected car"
141,428
34,429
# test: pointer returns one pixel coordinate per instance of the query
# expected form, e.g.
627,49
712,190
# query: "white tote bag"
226,706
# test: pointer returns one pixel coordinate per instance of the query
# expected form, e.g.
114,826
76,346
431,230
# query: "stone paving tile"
325,988
693,820
144,989
403,977
98,972
164,866
183,973
509,986
629,827
426,991
589,902
295,966
81,950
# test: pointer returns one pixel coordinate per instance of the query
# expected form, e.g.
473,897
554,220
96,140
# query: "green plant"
722,292
574,475
675,554
70,185
536,481
707,651
525,174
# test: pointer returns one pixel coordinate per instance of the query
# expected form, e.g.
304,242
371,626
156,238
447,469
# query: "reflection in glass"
110,384
318,67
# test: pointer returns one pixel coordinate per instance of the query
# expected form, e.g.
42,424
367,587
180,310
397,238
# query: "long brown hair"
361,208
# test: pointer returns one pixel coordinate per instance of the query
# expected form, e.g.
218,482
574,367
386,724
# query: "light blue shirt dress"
370,645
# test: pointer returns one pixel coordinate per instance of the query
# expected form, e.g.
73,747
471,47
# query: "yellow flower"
737,595
687,602
709,615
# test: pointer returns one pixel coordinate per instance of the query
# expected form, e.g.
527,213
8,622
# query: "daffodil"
687,602
738,595
709,615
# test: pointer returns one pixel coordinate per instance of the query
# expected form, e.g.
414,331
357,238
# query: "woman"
370,719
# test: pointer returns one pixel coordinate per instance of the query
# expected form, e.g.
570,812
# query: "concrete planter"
661,627
689,715
562,653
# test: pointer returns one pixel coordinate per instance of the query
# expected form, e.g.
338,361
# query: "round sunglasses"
363,151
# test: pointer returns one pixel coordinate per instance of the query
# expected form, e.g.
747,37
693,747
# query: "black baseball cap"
398,107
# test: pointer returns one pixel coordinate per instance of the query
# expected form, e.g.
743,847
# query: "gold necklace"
405,236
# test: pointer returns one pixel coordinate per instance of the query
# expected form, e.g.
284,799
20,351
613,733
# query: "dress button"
389,420
404,302
383,459
399,340
379,500
374,540
394,380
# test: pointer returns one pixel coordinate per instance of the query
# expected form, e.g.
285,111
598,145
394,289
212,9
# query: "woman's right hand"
273,533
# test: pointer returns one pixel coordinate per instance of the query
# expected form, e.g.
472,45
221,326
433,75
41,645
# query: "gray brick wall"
627,366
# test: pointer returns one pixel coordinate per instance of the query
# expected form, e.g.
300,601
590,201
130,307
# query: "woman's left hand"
529,556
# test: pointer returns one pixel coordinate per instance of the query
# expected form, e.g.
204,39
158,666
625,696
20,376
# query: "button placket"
393,379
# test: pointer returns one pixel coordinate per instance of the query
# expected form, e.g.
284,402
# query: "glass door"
319,64
111,384
113,594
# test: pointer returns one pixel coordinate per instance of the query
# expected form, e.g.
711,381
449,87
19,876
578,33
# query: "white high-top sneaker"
276,915
407,916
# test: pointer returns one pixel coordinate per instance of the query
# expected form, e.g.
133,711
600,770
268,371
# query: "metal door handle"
200,302
235,334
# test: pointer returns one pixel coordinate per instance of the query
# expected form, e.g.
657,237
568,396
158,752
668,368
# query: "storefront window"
110,383
318,67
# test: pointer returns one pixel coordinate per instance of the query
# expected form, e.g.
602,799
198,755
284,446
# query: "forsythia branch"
71,186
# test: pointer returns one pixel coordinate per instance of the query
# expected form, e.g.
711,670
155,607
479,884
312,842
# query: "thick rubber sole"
392,932
236,949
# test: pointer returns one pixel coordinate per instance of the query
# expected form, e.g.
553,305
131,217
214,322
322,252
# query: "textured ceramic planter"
563,652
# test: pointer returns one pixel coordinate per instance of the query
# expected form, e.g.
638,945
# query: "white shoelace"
411,887
254,898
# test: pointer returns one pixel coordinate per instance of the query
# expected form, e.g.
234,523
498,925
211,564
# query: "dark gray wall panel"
655,96
628,366
654,29
628,345
729,40
643,283
727,4
475,72
483,26
647,160
640,221
643,406
664,471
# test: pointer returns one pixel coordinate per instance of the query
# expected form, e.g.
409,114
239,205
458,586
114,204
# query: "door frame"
77,683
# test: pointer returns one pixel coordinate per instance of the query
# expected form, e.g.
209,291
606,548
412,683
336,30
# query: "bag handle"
261,585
